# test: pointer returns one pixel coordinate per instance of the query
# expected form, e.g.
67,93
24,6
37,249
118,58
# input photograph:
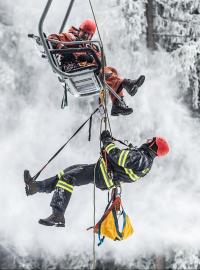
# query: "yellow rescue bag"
108,225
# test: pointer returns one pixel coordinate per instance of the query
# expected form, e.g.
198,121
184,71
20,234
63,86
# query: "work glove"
106,137
67,58
85,58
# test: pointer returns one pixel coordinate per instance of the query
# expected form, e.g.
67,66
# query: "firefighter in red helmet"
113,167
88,28
85,32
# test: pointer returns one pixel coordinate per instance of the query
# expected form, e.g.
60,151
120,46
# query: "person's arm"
64,37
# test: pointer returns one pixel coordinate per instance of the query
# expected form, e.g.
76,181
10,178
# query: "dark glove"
85,58
106,137
67,58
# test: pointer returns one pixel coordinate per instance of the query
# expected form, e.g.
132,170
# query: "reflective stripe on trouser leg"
65,186
108,181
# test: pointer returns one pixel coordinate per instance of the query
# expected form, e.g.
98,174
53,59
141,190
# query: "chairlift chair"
80,82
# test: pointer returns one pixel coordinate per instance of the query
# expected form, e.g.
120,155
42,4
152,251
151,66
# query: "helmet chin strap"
153,147
148,146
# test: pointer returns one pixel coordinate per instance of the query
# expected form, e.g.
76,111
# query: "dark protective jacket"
127,165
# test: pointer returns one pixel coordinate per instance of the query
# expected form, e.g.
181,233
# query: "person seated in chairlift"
71,61
113,167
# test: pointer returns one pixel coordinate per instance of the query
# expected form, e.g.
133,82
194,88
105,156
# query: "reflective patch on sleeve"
134,177
123,157
145,170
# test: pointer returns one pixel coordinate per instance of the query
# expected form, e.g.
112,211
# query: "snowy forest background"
157,38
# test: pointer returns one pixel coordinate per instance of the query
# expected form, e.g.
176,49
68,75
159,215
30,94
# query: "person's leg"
46,185
132,86
115,82
76,175
32,186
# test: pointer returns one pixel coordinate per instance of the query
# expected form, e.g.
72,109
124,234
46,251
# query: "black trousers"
63,183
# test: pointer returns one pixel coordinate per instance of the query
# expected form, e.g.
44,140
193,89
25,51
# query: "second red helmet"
88,26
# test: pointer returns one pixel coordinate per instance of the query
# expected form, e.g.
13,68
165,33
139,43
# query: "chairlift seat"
83,84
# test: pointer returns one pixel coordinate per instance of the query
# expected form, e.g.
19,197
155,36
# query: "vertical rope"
107,121
94,221
103,67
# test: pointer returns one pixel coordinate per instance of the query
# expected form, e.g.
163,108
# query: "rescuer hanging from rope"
114,166
70,61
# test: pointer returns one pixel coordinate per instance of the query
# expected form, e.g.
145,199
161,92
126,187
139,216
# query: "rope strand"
107,121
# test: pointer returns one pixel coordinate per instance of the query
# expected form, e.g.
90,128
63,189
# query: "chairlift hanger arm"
66,16
42,36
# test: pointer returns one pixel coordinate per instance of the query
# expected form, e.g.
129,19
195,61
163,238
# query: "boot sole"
27,178
42,222
138,83
122,113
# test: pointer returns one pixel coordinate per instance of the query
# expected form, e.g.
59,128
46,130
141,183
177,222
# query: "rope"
96,22
106,119
103,65
94,221
61,148
106,122
64,100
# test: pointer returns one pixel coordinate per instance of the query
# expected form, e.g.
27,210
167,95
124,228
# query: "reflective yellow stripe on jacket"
131,174
123,157
122,161
108,181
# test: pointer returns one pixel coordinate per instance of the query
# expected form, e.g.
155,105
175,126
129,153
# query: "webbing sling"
61,148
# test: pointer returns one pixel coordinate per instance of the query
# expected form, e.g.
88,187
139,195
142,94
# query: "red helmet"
88,26
159,146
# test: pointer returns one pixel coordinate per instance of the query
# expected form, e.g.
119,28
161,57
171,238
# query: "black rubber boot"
30,184
120,107
55,219
132,86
